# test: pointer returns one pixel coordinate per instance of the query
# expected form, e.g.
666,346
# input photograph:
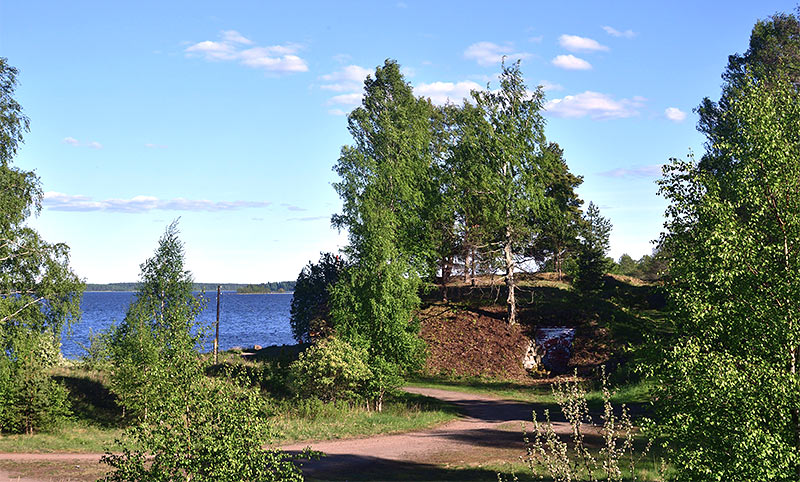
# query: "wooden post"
216,335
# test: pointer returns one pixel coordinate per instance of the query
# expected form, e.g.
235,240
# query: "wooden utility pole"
216,334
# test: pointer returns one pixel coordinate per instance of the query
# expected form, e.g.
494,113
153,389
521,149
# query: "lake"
244,320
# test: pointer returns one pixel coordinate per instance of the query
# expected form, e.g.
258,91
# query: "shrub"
575,460
212,430
30,399
331,370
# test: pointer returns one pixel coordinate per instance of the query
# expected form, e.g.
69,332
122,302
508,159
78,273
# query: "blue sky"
230,115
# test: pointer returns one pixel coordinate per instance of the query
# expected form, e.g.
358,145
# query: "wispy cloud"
347,79
155,146
594,105
67,202
616,33
674,114
638,172
574,43
490,54
76,143
352,99
570,62
233,46
548,86
350,80
441,93
292,207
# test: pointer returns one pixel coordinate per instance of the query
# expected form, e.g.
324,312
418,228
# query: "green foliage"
268,287
558,228
157,329
189,426
210,430
729,386
386,186
592,263
513,187
39,294
331,370
650,267
30,399
618,456
310,311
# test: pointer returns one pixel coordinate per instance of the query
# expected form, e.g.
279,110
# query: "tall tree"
729,387
39,293
558,231
592,262
774,47
191,427
310,310
157,331
385,186
507,134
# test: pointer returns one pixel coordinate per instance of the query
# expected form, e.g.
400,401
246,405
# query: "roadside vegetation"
684,363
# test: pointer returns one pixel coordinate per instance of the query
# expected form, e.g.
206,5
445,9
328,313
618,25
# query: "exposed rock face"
551,349
531,361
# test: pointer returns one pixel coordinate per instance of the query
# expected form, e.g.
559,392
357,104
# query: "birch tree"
507,136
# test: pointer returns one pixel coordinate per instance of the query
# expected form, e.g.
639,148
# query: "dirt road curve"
490,430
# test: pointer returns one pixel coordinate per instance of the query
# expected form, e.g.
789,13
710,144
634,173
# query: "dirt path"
490,430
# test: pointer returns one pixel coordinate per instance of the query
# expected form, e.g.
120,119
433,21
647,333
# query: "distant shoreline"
224,291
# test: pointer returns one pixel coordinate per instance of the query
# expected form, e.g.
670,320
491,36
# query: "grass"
97,421
311,420
74,436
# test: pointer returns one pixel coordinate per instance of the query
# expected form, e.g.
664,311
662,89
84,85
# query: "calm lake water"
244,320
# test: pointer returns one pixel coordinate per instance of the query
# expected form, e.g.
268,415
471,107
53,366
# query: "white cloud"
536,40
274,58
155,146
349,78
674,114
352,99
653,170
616,33
66,202
488,53
548,86
232,36
574,43
441,93
337,112
594,105
76,143
570,62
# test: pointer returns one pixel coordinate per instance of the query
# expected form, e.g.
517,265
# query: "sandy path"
489,430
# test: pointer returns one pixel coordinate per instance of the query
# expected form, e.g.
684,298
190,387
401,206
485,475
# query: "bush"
30,400
332,370
212,430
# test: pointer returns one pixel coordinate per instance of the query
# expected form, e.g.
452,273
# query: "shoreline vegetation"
240,288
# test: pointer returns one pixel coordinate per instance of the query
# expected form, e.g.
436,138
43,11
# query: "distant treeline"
271,287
